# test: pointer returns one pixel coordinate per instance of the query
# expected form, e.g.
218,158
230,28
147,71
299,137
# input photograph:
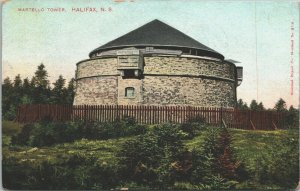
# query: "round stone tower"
156,65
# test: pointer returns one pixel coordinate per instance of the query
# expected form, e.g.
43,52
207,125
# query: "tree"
18,82
292,117
59,92
26,86
7,88
12,94
242,105
254,105
17,92
280,105
261,107
42,91
41,76
32,82
70,92
226,164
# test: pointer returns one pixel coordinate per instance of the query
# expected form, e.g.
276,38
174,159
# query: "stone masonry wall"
97,91
187,66
96,67
166,81
136,84
164,85
166,90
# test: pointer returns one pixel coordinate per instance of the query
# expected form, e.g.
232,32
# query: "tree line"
291,114
35,91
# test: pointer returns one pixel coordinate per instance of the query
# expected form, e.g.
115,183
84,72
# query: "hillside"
269,156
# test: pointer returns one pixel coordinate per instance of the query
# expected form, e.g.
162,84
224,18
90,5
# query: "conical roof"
157,34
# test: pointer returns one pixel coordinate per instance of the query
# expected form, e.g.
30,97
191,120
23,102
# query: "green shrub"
47,133
278,167
22,138
193,125
216,166
10,115
76,171
11,128
119,128
170,136
140,154
150,158
204,159
226,163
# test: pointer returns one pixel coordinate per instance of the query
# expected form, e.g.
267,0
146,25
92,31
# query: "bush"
22,138
279,168
10,115
47,133
216,166
169,136
118,128
193,125
75,172
10,128
204,160
139,156
226,164
151,159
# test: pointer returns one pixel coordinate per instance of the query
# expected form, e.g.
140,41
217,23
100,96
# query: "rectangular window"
129,92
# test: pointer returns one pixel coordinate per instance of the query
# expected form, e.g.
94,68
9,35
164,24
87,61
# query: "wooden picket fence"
144,114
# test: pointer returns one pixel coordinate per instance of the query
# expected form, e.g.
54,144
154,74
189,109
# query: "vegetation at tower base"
49,133
159,157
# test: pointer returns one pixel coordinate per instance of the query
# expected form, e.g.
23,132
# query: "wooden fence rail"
144,114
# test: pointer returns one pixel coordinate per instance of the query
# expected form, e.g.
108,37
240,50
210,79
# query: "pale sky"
61,39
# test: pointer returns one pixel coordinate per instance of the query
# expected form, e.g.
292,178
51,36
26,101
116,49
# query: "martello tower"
156,64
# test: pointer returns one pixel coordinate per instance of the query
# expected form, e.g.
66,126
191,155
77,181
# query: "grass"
257,150
10,128
252,140
260,141
247,144
251,144
103,150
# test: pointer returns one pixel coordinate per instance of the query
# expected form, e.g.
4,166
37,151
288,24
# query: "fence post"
39,112
85,113
18,114
221,116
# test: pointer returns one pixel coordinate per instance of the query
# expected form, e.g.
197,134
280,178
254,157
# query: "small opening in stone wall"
129,74
129,92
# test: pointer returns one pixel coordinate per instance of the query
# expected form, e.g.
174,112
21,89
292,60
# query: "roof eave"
217,55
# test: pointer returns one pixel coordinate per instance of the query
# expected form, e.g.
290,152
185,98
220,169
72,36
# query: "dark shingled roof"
157,34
